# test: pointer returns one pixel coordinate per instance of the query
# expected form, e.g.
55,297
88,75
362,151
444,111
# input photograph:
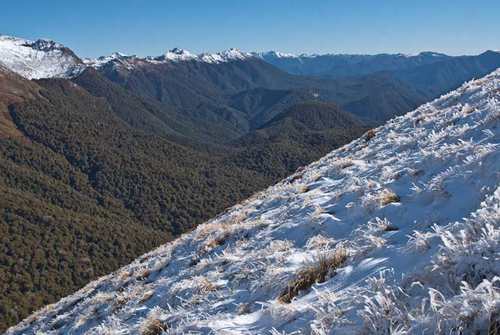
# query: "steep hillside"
442,76
208,97
301,133
84,193
93,175
240,95
13,88
396,232
428,73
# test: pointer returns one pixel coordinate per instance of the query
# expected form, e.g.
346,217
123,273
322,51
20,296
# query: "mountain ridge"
153,149
398,229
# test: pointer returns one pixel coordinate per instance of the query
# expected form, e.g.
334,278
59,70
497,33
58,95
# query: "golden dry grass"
144,274
369,135
388,197
206,286
315,273
153,327
494,325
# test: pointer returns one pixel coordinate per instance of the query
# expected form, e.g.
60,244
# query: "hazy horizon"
95,28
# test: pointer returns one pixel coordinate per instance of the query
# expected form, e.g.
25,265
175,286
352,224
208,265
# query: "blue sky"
97,27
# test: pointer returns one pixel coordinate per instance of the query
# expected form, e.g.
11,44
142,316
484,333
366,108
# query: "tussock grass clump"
388,197
297,175
369,135
216,242
146,296
206,286
153,327
143,275
344,163
303,188
494,324
120,301
317,272
390,228
467,109
385,225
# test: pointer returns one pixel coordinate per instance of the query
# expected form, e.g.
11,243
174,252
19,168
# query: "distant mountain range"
118,154
208,85
344,65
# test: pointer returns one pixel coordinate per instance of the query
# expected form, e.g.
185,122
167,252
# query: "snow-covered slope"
400,229
38,59
174,55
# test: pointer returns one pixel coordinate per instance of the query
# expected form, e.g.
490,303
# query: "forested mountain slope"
93,175
103,160
83,192
398,231
241,95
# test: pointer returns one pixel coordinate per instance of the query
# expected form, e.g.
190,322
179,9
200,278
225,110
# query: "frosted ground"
412,207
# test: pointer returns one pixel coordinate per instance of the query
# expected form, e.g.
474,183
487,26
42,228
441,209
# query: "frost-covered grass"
414,206
317,272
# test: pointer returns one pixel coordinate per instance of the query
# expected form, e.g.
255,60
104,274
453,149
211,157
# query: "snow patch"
38,59
175,55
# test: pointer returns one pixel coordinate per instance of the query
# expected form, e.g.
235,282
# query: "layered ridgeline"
93,175
396,232
241,91
405,66
83,193
345,65
239,94
102,160
429,73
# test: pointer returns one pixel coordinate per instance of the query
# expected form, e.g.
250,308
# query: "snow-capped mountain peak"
116,58
274,54
283,54
397,232
103,59
277,55
118,55
234,53
432,54
228,55
38,59
177,54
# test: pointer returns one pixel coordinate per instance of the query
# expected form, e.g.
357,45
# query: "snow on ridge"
175,55
116,58
277,54
38,59
414,204
48,59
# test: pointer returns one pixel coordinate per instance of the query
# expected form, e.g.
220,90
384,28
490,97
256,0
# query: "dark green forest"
101,168
84,192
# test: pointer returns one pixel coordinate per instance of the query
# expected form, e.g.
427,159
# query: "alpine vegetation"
397,232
